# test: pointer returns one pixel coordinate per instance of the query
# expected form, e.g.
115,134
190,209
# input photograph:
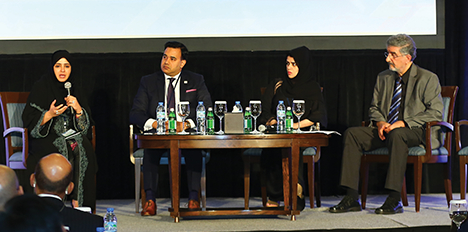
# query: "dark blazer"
152,91
423,102
75,219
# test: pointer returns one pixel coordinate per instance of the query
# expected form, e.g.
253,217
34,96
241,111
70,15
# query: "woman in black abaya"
297,84
58,123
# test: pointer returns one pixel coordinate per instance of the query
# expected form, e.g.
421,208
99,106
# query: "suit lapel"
161,85
389,88
411,83
183,86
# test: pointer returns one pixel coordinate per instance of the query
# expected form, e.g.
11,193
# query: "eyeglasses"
291,63
392,55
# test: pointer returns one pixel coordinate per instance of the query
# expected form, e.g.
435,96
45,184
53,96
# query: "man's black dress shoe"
391,206
346,205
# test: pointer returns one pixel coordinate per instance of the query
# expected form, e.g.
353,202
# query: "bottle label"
281,113
210,124
201,114
289,124
110,226
247,125
172,125
161,115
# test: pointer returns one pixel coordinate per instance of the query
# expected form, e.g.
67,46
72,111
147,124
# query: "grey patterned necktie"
396,101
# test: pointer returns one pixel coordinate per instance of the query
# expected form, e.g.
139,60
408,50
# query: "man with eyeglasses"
405,97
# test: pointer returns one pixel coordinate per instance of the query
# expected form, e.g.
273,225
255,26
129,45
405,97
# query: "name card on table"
234,123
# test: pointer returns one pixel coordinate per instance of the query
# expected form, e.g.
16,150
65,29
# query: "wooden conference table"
291,144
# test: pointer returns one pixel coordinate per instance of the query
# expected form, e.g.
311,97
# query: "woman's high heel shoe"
300,198
271,203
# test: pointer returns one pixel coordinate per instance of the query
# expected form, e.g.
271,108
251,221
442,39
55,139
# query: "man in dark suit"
170,85
405,98
52,181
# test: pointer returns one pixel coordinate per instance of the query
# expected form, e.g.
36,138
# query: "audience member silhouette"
52,180
9,185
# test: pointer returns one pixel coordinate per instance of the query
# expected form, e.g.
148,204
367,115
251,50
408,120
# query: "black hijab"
47,89
299,86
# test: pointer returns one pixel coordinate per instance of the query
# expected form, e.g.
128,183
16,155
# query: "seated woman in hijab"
297,84
58,122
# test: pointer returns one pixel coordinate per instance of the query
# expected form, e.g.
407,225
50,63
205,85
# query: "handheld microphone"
68,87
267,129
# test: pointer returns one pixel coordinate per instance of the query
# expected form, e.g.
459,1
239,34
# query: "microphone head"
262,128
67,85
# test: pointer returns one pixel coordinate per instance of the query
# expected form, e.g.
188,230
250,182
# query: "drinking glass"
220,110
458,211
183,109
256,109
298,110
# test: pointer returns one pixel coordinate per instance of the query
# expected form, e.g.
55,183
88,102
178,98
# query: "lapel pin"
185,82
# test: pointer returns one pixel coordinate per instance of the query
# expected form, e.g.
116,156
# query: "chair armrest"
24,132
458,134
439,123
429,125
13,129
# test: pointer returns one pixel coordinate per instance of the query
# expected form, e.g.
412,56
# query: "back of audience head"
53,175
9,185
29,213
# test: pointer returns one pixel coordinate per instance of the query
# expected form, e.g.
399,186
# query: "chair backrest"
449,95
13,104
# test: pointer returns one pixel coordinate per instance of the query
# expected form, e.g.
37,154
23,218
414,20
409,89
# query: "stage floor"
432,217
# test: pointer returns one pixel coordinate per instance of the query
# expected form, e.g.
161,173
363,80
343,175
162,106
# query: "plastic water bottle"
247,120
281,117
172,122
110,220
201,119
237,108
161,119
289,120
210,121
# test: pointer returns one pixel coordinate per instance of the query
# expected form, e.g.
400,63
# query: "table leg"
295,150
175,178
286,178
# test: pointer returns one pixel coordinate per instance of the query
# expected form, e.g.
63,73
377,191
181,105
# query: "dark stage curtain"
456,47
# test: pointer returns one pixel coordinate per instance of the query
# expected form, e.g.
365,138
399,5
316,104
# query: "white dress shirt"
176,84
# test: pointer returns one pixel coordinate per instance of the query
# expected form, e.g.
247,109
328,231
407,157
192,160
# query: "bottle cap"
281,101
200,103
161,103
288,108
110,209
